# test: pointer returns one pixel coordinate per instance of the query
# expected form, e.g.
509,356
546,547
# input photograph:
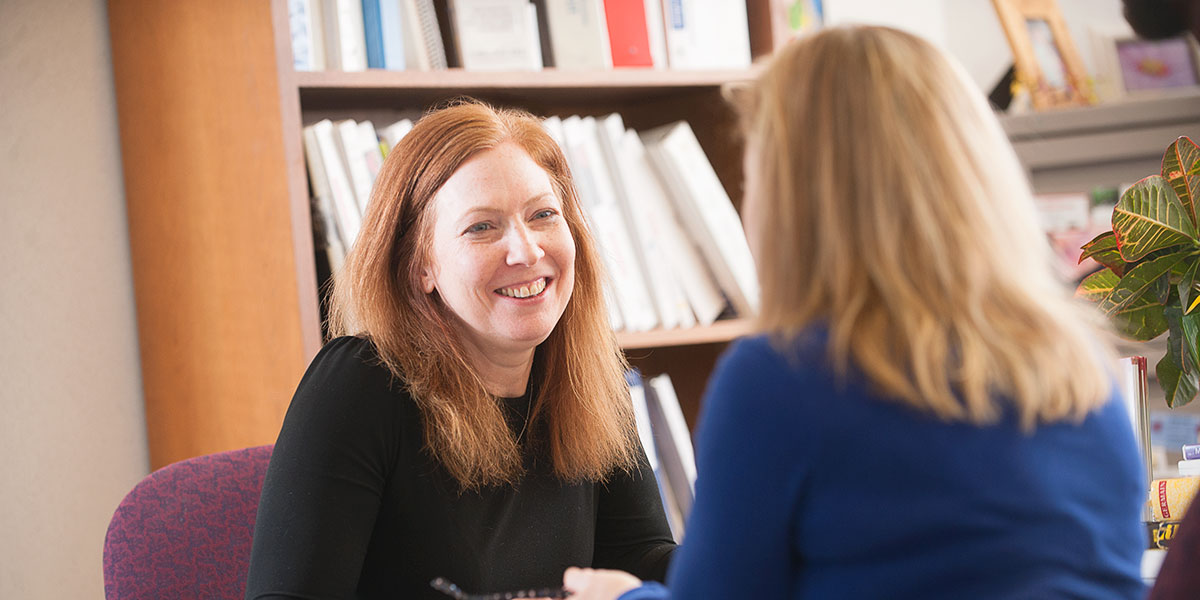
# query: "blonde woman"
472,423
927,413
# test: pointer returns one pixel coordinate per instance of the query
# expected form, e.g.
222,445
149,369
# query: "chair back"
185,530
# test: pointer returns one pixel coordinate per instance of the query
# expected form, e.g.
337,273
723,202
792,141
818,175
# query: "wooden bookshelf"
211,113
719,332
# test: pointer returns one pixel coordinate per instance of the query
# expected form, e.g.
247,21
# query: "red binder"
627,34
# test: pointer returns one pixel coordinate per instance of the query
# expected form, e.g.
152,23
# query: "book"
554,127
635,197
423,36
350,147
707,34
578,34
392,134
496,35
641,414
345,44
655,34
327,236
1191,451
383,33
695,294
673,441
349,216
707,211
308,39
628,37
600,202
368,144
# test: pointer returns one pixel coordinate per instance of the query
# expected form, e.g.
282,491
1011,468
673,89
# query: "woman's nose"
523,247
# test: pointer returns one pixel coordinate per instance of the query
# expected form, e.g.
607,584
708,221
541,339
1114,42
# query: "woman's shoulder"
798,355
350,362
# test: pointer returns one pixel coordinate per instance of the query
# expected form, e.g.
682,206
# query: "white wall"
72,431
969,29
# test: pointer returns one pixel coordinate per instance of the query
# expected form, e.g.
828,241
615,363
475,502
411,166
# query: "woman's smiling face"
502,256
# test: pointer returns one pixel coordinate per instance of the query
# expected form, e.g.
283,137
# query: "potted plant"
1150,282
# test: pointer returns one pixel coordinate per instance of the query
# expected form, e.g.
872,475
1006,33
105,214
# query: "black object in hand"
444,586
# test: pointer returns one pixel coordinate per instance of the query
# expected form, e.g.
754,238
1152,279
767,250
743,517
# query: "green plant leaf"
1141,320
1140,279
1187,287
1195,170
1101,243
1103,249
1177,371
1179,387
1150,217
1181,153
1188,344
1098,285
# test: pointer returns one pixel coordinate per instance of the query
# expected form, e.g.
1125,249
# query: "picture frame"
1047,62
1129,66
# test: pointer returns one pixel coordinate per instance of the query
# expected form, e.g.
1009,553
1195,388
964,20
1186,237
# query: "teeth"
525,291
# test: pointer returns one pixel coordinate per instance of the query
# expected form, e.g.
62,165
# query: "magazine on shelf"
555,128
383,33
578,34
345,44
641,203
349,216
707,211
707,35
673,440
594,181
308,36
325,222
496,35
641,414
628,35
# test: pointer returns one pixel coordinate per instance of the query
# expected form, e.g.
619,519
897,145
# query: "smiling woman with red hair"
472,422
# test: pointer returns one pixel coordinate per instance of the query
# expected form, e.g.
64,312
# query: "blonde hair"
581,404
891,208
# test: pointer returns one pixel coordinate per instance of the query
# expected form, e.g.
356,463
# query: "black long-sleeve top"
354,506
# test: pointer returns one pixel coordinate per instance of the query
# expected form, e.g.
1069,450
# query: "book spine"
373,34
307,51
627,34
579,34
392,27
1169,498
350,34
431,34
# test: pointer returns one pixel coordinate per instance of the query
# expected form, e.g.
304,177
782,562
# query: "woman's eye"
544,213
478,228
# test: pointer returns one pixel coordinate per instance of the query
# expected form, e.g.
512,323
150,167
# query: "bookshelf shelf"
373,87
719,332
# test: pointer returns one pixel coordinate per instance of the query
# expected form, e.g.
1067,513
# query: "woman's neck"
505,376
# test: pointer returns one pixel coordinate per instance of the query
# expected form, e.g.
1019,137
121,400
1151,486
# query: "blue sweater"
811,490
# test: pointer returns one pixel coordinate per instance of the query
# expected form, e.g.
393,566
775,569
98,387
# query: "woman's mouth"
524,290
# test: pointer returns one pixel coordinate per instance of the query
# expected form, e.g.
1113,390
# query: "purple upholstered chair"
185,530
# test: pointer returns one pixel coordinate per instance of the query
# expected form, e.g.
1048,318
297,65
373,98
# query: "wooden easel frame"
1014,16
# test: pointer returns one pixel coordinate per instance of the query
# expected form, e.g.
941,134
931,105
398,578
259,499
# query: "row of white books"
518,35
668,444
671,239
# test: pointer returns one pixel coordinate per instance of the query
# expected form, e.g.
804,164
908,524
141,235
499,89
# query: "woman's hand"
598,584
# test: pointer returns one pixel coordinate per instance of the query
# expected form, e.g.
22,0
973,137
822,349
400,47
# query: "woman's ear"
428,280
